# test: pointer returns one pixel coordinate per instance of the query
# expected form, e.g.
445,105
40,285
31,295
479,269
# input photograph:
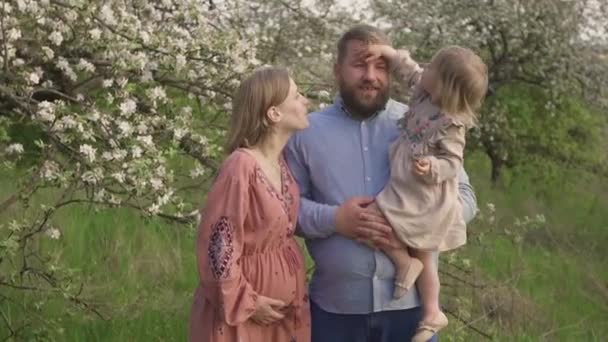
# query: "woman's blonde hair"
463,79
264,88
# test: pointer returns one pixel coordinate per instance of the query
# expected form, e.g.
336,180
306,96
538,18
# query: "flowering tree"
123,104
549,46
115,93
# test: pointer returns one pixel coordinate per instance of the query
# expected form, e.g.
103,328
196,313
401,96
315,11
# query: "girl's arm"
401,63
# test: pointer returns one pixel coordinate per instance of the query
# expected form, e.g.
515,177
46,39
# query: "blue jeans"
384,326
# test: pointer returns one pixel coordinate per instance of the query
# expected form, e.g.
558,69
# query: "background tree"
536,52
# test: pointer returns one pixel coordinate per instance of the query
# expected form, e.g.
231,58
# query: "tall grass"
141,273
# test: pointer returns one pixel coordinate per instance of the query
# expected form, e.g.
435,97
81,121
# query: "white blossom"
158,93
13,34
92,177
49,170
95,33
85,65
146,140
107,83
125,128
156,183
142,128
48,53
89,152
136,152
180,62
197,172
33,78
107,15
53,233
46,111
15,148
128,107
56,38
100,195
119,177
178,133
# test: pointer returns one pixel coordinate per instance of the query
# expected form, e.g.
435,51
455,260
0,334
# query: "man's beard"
358,108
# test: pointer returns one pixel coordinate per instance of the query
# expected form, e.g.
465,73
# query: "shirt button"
362,123
369,179
365,148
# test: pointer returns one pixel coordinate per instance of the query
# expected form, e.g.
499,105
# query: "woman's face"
293,110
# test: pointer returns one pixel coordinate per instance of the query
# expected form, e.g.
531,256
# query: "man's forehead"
355,48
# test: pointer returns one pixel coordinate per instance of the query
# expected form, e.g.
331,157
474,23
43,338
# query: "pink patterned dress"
246,248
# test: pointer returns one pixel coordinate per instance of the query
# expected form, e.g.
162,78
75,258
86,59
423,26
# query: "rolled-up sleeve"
467,196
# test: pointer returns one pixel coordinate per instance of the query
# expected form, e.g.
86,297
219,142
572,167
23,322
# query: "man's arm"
467,195
319,220
315,220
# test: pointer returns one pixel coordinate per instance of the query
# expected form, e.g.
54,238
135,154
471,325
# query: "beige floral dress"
425,212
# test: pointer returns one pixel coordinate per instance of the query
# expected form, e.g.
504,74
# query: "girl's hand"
422,167
376,51
267,310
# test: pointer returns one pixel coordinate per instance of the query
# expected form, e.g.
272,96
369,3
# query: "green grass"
141,273
561,267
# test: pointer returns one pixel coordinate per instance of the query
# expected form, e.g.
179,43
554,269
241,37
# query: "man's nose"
371,73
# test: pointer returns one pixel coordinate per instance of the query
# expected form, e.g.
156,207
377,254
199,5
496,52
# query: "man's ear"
337,71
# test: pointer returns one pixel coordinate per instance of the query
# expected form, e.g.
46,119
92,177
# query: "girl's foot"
406,276
427,329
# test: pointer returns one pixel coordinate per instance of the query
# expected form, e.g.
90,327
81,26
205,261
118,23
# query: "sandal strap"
429,328
400,284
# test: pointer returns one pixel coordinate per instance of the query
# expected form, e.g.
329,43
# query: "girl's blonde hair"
264,88
463,79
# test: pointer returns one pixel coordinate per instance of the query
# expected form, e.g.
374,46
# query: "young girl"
421,199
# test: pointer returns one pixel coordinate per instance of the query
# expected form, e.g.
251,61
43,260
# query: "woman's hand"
267,310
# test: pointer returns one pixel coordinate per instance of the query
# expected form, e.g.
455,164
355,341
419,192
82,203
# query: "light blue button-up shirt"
336,158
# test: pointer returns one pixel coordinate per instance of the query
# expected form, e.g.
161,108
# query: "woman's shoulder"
238,164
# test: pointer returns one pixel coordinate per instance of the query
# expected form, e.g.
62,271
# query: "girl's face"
430,82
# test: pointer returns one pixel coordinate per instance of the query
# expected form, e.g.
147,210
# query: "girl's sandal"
426,330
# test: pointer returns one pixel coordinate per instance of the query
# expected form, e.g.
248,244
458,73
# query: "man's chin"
363,106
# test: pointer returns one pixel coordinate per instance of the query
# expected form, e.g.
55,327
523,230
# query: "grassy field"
552,286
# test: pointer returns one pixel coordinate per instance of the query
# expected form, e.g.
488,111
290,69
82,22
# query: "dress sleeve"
447,162
220,245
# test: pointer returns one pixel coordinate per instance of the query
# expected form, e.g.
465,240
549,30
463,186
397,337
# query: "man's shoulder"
325,114
395,109
325,119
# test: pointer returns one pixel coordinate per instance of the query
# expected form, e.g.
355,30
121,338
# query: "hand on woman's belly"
273,273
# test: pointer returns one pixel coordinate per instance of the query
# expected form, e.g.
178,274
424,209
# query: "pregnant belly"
274,273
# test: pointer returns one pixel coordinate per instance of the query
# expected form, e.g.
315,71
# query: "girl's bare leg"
428,287
407,269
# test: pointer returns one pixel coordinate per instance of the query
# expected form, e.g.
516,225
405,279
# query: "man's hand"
356,221
267,310
373,215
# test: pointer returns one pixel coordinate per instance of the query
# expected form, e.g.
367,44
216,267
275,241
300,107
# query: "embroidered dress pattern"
220,248
285,196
